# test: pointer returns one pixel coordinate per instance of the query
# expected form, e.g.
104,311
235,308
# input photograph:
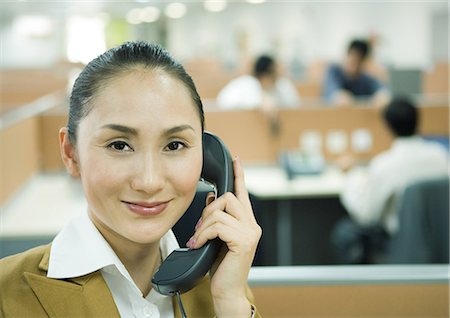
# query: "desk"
271,183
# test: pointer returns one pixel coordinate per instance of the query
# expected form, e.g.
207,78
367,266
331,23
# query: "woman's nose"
148,176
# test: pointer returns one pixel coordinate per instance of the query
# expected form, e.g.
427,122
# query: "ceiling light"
149,14
175,10
134,16
33,25
256,1
215,5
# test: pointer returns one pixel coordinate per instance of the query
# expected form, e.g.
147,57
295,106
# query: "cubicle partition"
25,94
23,138
351,291
18,161
249,133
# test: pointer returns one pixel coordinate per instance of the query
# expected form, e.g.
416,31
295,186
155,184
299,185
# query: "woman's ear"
68,153
210,197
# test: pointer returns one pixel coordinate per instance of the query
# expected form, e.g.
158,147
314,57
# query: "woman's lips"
146,208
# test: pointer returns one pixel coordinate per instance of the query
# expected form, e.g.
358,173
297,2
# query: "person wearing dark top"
347,83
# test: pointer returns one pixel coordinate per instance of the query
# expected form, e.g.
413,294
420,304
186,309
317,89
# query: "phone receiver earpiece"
217,164
184,267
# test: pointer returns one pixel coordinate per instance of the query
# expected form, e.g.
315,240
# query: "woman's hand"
240,232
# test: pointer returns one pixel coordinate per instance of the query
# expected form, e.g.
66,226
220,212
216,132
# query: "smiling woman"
137,153
134,138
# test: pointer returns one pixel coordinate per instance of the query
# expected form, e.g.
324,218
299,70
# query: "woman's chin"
146,237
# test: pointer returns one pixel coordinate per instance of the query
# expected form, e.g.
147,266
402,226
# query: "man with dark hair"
265,65
346,83
401,117
370,195
265,89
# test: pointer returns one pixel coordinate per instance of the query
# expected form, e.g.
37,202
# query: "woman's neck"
140,260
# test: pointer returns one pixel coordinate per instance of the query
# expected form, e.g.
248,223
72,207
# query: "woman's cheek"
186,174
103,173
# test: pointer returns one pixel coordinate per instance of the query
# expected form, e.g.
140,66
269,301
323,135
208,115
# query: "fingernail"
198,223
188,243
191,242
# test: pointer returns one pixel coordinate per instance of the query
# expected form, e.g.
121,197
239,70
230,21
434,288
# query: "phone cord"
180,304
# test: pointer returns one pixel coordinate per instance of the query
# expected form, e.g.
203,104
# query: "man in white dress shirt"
371,197
264,88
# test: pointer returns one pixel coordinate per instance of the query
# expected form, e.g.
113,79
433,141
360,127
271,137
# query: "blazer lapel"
85,296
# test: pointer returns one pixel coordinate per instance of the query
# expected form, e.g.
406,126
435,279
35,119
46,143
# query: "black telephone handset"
184,267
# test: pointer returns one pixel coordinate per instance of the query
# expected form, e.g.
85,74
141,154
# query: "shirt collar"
80,249
400,142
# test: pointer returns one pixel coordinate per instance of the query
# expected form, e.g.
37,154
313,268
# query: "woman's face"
139,153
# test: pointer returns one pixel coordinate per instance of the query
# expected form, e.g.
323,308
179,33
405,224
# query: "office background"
44,45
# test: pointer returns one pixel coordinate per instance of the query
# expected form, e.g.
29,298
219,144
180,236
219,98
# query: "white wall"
22,51
311,30
297,31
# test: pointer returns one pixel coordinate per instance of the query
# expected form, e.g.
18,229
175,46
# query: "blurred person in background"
347,83
265,88
371,196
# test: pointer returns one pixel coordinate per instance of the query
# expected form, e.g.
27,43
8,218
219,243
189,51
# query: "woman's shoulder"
34,260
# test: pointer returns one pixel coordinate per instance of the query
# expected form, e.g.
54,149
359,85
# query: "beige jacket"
26,291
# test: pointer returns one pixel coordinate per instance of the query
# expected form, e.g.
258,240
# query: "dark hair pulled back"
127,57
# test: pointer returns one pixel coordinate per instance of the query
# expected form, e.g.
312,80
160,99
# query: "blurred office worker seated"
346,83
371,197
264,88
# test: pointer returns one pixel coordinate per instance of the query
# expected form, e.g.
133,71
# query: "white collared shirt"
80,249
245,92
370,196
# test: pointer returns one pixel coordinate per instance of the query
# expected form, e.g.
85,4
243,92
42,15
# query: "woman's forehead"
140,73
155,96
145,86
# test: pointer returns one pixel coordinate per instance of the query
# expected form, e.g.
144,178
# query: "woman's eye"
175,145
119,146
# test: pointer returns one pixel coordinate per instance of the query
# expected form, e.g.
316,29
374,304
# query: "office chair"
423,236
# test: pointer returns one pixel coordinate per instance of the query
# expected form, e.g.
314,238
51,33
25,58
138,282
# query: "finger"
226,230
240,189
198,239
227,203
216,216
238,238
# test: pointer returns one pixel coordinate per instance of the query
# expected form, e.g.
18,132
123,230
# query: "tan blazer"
25,291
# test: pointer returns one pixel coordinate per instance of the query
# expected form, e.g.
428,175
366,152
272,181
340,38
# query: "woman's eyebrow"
121,128
176,129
